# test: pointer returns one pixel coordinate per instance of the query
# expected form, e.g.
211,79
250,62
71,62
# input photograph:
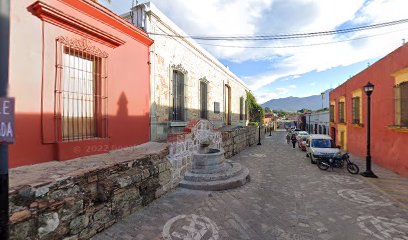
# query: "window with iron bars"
204,100
241,108
341,112
178,96
81,91
355,105
401,104
246,109
331,113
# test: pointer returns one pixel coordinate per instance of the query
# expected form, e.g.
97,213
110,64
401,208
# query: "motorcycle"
338,161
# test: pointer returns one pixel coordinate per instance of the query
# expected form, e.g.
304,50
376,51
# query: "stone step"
219,185
230,170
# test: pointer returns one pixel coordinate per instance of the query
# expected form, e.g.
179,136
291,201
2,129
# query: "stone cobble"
287,198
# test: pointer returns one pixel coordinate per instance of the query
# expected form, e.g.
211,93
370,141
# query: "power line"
300,45
287,36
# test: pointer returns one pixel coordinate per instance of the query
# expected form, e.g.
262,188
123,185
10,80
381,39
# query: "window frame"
203,100
401,115
241,108
331,112
355,110
178,114
342,115
81,49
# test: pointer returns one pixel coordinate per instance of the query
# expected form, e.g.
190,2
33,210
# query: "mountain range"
292,104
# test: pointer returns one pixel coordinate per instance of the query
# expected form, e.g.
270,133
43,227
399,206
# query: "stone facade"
236,140
184,55
183,145
78,198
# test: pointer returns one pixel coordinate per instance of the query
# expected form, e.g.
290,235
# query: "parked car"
320,146
301,134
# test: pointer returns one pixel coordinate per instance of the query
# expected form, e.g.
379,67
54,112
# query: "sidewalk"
388,182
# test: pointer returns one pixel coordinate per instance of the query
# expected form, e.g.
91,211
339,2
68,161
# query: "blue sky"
297,67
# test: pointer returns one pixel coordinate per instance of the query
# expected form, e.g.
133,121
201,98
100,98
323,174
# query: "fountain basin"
210,162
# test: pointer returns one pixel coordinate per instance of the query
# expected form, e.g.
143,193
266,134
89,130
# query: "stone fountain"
210,171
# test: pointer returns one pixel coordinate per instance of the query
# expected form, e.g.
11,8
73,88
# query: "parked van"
318,146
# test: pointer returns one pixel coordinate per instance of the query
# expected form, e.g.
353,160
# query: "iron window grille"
341,112
355,104
401,104
241,108
246,109
178,96
204,99
81,94
331,113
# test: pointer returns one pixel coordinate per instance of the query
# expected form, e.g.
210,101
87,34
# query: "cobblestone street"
287,198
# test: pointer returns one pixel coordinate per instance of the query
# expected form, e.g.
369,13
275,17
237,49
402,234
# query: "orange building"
389,112
80,76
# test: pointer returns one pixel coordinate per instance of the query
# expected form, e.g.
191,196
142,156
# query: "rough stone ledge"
76,199
57,171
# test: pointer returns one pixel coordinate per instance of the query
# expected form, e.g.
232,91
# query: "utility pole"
4,69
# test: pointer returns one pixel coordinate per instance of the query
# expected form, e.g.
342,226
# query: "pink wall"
388,147
32,77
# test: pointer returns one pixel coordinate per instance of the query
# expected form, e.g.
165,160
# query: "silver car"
318,146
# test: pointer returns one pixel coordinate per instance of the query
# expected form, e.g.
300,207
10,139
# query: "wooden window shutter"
404,104
397,105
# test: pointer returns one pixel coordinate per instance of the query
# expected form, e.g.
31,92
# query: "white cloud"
278,92
233,17
292,86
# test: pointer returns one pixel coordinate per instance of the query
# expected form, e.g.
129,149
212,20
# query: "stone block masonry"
238,139
183,145
78,198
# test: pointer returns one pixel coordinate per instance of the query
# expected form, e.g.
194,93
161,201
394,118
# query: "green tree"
268,110
256,112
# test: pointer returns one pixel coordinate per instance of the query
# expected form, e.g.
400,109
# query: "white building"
187,82
318,122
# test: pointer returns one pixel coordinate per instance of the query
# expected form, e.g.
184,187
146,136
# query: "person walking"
288,135
293,137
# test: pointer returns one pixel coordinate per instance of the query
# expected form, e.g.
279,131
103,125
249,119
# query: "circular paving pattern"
364,197
384,228
342,179
257,155
190,227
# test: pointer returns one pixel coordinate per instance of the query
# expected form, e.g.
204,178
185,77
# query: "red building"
80,76
389,112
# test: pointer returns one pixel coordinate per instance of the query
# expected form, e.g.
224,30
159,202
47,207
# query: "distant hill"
292,104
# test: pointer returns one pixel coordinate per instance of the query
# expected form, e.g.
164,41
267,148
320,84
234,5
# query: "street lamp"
322,98
259,126
368,89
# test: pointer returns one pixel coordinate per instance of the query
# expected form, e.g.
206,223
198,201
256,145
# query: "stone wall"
183,145
236,140
78,198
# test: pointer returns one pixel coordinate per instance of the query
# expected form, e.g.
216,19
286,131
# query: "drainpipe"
4,70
